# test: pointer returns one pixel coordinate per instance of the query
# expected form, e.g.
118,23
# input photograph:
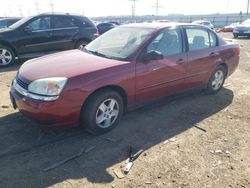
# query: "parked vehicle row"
123,68
6,22
44,34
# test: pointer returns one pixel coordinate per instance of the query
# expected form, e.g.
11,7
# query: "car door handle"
180,61
213,54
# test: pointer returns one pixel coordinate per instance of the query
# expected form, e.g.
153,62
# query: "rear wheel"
216,80
102,112
7,56
236,36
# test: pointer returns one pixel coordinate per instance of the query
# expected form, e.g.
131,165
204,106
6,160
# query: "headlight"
48,86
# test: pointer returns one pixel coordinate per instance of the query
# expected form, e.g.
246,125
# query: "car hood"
243,26
65,64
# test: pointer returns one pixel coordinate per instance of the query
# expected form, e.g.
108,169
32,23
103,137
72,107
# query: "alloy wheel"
5,56
218,80
107,113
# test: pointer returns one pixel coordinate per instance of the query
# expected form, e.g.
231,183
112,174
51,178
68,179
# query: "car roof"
159,25
59,14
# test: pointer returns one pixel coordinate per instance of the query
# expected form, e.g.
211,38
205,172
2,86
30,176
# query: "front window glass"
119,43
167,43
42,23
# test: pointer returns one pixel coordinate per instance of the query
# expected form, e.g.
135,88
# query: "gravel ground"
192,141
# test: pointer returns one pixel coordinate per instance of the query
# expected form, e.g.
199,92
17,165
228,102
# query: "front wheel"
216,80
7,56
102,112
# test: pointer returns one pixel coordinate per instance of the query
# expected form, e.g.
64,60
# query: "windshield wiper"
99,54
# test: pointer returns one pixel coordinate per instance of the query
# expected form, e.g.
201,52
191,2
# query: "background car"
123,68
6,22
242,29
43,34
229,28
205,23
104,27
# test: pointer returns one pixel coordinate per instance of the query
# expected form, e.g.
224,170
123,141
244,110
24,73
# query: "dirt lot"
193,141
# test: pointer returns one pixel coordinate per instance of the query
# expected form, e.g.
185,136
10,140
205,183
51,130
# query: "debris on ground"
131,159
55,165
118,173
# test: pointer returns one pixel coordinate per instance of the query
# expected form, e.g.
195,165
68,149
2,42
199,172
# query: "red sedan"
124,67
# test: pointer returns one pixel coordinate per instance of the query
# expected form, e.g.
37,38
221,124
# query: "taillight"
238,51
97,34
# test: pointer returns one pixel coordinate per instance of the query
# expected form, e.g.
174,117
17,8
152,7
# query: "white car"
205,23
242,29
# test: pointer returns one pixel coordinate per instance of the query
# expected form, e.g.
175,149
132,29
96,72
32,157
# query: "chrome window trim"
56,29
26,93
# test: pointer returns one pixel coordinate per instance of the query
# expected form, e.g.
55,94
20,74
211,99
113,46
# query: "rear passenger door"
64,29
203,54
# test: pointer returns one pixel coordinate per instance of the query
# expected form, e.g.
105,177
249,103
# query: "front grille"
22,83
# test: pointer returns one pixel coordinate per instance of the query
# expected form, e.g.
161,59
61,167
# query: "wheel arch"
115,88
5,43
225,66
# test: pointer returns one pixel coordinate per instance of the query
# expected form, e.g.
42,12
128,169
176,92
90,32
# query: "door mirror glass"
152,55
28,29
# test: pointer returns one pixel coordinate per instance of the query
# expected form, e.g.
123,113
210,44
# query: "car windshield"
119,43
20,22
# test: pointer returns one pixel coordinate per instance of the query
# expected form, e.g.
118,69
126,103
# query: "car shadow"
26,150
13,67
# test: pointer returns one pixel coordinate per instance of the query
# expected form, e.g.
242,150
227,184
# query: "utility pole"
248,3
52,6
157,6
37,7
133,9
20,11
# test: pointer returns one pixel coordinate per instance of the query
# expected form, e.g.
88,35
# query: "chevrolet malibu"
123,68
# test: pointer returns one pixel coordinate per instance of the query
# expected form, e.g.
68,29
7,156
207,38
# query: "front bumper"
60,112
241,32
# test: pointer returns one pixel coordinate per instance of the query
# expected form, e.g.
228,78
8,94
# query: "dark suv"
43,34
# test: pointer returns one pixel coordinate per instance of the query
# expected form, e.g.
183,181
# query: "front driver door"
158,78
35,37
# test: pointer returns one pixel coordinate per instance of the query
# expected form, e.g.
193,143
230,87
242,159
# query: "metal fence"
218,20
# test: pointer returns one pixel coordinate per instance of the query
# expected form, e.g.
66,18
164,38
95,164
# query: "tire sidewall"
210,89
79,43
12,54
88,116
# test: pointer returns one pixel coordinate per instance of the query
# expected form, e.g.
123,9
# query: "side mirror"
28,29
152,55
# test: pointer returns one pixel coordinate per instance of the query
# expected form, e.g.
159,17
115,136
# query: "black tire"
81,44
235,36
91,108
6,52
211,89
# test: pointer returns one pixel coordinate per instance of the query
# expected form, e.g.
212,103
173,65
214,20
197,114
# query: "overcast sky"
94,8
